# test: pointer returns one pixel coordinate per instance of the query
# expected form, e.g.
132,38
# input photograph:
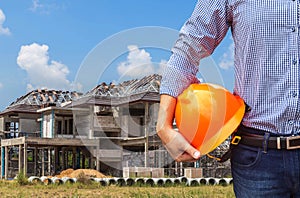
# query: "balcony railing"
16,134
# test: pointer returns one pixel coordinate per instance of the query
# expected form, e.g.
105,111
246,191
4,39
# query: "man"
266,162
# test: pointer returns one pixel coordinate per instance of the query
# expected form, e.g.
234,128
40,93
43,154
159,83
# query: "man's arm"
174,142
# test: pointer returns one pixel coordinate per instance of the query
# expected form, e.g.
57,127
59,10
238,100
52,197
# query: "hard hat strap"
222,159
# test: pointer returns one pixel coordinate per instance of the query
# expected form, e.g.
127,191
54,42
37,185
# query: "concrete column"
83,161
63,158
91,162
56,160
78,157
6,163
63,126
181,168
49,161
1,158
25,159
91,124
74,127
146,134
97,158
35,157
2,161
74,158
43,161
20,158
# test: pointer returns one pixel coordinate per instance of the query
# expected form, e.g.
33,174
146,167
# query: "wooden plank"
61,142
133,141
51,99
43,97
13,142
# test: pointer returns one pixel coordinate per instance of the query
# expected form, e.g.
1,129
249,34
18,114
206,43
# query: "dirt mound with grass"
79,172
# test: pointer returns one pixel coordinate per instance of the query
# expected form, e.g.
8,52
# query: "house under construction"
111,128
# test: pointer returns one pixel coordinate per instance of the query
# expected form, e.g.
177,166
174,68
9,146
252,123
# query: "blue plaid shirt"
266,37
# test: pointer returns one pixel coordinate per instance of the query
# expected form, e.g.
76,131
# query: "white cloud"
1,85
44,8
138,64
42,72
36,5
227,59
3,30
162,65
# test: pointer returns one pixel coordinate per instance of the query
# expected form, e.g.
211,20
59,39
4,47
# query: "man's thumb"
193,152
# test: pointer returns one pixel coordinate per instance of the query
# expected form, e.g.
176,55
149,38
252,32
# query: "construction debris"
77,173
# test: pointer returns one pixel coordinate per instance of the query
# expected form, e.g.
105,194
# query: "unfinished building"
109,128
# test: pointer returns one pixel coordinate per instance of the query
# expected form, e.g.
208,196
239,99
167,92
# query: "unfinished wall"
2,124
156,159
29,125
153,114
82,123
47,131
133,159
132,126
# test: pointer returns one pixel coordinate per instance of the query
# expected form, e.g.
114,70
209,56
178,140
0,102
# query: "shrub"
84,179
22,179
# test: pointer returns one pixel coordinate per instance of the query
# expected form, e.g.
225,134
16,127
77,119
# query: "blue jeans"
271,173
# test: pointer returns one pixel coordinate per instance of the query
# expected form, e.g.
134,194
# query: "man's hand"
178,147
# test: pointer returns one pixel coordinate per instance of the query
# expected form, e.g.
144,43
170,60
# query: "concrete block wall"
193,172
143,172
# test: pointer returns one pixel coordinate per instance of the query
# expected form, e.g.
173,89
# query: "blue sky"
48,43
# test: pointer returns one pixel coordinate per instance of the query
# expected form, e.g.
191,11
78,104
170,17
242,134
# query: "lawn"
14,189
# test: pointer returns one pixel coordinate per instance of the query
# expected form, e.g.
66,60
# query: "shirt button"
293,29
291,122
294,93
295,62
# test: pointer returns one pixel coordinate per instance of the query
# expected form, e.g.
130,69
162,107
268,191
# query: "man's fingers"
193,152
181,150
190,155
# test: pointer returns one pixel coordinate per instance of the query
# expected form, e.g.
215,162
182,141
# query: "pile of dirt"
66,173
78,173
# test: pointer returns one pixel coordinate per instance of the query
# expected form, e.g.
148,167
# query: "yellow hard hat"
206,115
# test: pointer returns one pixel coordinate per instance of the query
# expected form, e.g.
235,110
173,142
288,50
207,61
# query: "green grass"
14,189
